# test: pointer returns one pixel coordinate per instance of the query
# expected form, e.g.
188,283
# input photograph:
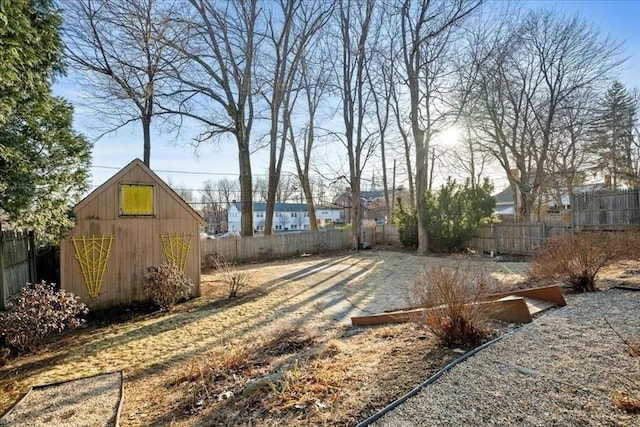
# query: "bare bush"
629,243
321,247
37,311
577,258
235,280
453,295
213,260
166,285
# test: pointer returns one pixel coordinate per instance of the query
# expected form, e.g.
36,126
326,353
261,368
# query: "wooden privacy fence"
276,245
381,235
17,263
605,210
287,244
514,239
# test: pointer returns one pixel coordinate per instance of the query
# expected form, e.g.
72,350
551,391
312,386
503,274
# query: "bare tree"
118,50
569,157
291,26
528,74
214,78
468,158
260,189
380,77
313,81
287,188
185,193
215,199
407,149
355,18
228,191
427,39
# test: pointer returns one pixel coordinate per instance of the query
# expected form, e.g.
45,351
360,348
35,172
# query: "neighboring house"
327,215
504,202
372,202
506,206
286,216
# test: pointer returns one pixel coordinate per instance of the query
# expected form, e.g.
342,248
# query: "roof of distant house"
279,207
504,197
371,195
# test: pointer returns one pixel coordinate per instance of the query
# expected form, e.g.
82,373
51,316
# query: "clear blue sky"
619,18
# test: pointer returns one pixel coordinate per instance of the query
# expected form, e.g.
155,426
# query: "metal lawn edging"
428,381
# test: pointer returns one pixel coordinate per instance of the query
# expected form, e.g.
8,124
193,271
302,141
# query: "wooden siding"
137,241
17,263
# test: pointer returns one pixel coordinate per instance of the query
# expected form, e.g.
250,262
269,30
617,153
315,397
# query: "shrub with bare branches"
453,294
578,257
235,280
37,311
166,285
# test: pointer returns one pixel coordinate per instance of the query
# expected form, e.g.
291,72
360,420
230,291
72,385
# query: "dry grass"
189,367
626,403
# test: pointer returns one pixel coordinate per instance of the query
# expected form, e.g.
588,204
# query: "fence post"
638,208
3,289
494,245
572,198
32,258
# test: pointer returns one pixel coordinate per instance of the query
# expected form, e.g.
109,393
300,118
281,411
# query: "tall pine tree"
43,161
614,149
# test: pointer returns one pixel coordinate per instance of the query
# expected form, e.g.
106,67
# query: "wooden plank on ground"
511,309
550,293
536,306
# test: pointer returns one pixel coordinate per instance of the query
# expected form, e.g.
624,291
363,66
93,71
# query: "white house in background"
325,215
286,216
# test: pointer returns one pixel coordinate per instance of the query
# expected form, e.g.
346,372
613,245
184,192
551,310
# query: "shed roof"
137,163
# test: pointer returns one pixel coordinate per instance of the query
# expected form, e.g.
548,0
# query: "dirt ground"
190,367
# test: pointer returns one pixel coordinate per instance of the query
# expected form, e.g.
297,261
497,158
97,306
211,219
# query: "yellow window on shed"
136,199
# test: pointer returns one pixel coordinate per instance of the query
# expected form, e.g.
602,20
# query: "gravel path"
86,402
562,369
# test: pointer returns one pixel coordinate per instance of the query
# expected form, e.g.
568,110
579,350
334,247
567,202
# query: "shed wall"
137,242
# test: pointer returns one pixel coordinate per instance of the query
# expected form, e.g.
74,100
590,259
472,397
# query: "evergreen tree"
43,162
455,212
614,148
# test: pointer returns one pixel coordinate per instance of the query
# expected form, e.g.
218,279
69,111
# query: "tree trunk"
246,187
356,223
421,189
146,135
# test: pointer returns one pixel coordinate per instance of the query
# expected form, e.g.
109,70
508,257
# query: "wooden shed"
132,221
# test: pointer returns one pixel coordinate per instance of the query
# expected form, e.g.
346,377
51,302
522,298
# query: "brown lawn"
190,367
